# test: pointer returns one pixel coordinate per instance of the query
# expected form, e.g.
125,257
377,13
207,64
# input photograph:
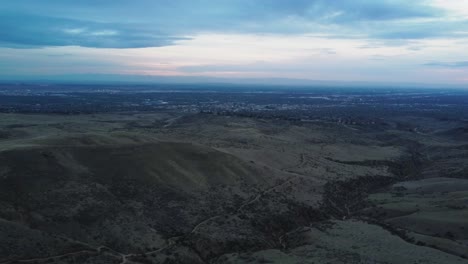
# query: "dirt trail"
265,192
245,204
43,259
170,241
171,121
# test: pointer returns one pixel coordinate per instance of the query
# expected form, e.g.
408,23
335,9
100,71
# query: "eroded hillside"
198,188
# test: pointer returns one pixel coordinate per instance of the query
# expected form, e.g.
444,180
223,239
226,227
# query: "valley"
299,181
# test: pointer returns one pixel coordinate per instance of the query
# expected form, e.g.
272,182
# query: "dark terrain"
232,174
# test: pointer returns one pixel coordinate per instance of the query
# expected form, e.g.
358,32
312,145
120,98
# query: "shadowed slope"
126,196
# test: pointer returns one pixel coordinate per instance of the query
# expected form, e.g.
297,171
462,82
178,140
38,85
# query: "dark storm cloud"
145,23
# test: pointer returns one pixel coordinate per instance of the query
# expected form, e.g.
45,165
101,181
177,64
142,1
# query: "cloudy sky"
420,41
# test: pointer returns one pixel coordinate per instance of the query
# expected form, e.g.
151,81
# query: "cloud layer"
457,64
357,40
21,30
154,23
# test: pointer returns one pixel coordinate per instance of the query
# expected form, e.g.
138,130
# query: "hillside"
166,188
123,196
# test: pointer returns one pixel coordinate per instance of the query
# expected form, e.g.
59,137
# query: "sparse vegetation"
264,181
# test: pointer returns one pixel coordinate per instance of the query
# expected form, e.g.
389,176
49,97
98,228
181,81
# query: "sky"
398,41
